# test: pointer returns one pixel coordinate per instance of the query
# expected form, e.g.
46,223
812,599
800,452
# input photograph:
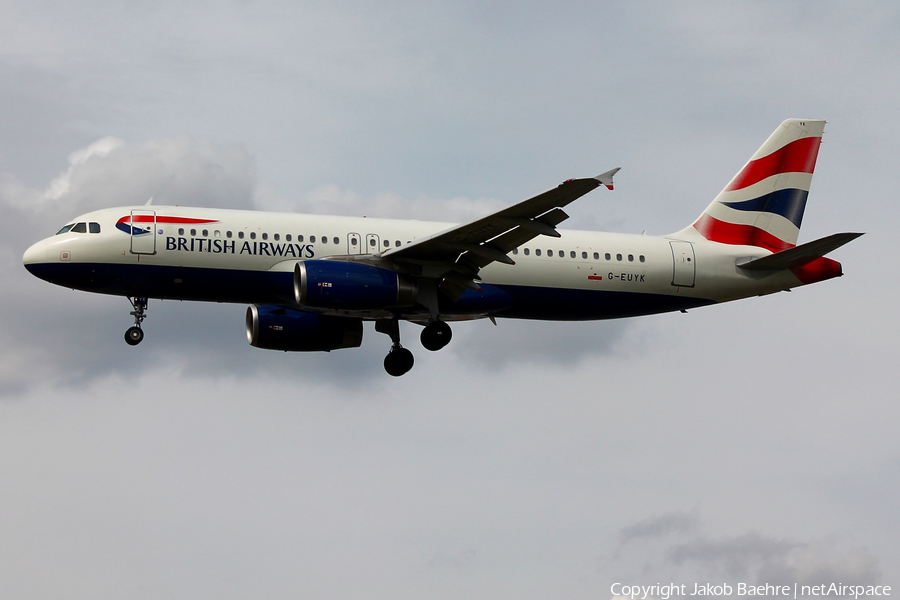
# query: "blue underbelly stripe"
276,288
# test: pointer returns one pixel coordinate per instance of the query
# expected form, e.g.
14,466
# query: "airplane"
312,280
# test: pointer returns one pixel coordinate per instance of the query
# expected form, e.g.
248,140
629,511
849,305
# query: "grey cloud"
676,546
483,346
659,526
195,465
732,558
761,559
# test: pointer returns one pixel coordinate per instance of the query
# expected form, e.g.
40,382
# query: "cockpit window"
65,229
94,227
80,228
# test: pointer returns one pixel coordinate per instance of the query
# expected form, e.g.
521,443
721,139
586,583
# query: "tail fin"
764,203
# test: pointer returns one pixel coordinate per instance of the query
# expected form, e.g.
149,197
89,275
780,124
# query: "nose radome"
37,253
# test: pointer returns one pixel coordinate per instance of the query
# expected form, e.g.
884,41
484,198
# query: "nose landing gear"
135,334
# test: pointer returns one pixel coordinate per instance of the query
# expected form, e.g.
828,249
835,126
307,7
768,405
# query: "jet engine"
351,286
276,328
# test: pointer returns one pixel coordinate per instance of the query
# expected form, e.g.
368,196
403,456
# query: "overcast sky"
754,441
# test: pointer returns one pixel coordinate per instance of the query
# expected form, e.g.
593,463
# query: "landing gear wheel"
436,335
398,361
134,336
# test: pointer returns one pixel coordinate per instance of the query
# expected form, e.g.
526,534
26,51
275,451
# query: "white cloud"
62,184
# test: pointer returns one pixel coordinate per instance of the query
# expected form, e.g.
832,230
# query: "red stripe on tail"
739,235
797,157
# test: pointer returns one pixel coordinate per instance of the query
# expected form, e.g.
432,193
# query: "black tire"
398,361
134,336
436,335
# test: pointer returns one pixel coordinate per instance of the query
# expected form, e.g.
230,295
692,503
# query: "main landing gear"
135,334
399,360
436,335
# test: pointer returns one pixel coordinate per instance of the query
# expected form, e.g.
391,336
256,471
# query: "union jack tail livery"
763,204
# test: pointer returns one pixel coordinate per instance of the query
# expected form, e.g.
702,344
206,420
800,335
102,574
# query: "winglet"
607,178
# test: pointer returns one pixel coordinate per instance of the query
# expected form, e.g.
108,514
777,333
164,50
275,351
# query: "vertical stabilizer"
763,204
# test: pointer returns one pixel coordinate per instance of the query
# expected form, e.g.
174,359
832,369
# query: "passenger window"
252,235
515,250
206,233
228,234
299,238
80,228
549,252
608,257
372,242
193,232
287,237
641,257
597,256
631,258
353,241
240,235
312,239
216,234
336,241
537,252
181,231
526,251
397,244
265,236
584,255
386,243
618,257
572,254
94,227
276,237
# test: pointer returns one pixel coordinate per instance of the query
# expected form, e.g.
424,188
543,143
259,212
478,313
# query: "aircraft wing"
457,254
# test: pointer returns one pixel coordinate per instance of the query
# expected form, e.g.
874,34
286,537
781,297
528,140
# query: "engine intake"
276,328
349,285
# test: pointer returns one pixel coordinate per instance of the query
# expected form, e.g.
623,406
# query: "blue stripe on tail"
789,203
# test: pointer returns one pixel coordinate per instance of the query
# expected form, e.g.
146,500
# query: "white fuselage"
247,256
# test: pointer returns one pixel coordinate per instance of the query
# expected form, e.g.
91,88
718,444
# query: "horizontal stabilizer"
799,255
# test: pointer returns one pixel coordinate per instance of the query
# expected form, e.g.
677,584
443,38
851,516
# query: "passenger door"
685,267
143,232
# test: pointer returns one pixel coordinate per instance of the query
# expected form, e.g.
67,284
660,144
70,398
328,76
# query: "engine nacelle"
275,328
349,285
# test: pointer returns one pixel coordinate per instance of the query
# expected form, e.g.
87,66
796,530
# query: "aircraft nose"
36,254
